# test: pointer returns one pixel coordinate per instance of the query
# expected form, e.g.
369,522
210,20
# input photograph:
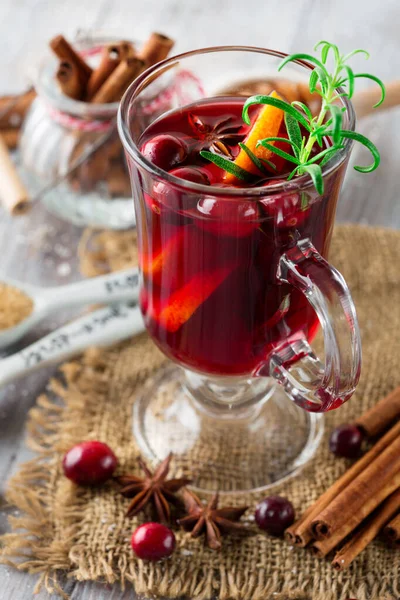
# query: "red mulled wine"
211,298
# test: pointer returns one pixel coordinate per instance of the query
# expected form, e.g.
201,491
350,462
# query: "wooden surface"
39,248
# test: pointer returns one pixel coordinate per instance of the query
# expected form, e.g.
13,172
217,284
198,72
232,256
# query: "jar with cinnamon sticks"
69,141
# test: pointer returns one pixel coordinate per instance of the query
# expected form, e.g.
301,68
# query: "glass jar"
71,152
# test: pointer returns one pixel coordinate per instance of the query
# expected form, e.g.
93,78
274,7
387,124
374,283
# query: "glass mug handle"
314,384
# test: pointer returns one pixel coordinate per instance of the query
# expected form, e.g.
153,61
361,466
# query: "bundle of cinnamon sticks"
119,65
365,500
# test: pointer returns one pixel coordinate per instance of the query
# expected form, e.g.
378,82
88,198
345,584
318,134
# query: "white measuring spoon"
98,328
122,286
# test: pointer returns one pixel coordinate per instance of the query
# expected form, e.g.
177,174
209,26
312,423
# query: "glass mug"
237,302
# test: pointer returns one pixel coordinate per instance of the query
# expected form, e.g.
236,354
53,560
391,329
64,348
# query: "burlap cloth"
82,533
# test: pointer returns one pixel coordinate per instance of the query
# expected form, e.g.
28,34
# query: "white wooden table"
40,248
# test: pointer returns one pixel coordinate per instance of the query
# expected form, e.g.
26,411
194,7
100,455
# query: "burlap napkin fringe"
56,535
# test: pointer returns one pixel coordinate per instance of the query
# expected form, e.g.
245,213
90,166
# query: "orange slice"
182,304
267,124
154,265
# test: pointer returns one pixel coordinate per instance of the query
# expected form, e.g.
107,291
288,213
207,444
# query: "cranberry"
346,441
227,217
165,151
274,514
285,208
153,541
89,463
191,174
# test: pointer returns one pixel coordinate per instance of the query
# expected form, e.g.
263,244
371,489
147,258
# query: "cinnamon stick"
13,194
14,108
367,533
10,136
324,546
392,530
302,528
114,87
157,47
111,56
365,486
380,416
68,80
65,52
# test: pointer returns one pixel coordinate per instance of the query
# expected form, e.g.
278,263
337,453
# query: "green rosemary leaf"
293,173
328,151
315,172
357,137
323,79
354,52
313,82
294,133
285,106
379,82
228,166
269,163
349,80
336,122
304,108
326,46
265,143
255,159
308,57
330,154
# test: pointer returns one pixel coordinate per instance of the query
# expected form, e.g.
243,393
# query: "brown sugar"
15,306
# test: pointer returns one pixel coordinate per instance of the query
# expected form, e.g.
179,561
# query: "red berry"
346,441
165,151
285,208
89,463
274,514
227,217
153,541
166,197
191,174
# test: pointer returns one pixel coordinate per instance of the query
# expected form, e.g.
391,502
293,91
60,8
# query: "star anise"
216,137
154,488
210,519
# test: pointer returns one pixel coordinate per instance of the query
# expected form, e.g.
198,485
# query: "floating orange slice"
267,124
183,303
154,265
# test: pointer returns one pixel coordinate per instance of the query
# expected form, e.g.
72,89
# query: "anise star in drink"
209,519
153,488
218,137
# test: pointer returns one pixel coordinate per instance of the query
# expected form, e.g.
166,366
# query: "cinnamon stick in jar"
65,52
68,80
366,485
114,87
157,47
381,416
111,56
13,194
345,556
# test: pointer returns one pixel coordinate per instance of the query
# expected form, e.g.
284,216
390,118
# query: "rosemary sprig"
328,123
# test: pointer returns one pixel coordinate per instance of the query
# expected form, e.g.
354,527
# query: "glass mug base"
242,447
